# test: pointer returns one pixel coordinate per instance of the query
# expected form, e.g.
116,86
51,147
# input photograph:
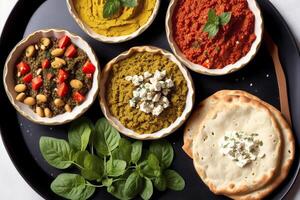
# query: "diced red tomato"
88,68
63,42
62,89
27,78
62,76
36,83
78,97
71,51
89,75
49,76
45,63
23,67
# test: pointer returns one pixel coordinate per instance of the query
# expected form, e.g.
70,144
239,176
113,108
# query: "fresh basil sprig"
125,168
214,22
112,7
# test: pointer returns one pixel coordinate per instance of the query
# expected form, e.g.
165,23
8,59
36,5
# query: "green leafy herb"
133,185
136,151
112,7
106,137
163,151
214,22
147,191
79,134
72,186
56,152
122,166
174,180
115,168
93,168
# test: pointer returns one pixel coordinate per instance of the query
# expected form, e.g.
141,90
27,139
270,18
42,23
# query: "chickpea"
76,84
47,112
41,98
57,52
20,97
20,88
45,42
68,108
29,52
58,63
30,101
39,111
59,102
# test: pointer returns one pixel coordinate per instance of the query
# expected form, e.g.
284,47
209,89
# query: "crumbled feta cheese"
147,74
156,97
150,95
240,147
169,83
157,110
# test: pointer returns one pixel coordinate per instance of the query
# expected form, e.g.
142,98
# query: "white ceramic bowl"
103,38
9,77
163,132
229,68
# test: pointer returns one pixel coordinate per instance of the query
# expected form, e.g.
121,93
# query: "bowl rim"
239,64
190,99
115,39
43,120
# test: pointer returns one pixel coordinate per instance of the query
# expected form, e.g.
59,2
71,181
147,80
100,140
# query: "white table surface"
13,186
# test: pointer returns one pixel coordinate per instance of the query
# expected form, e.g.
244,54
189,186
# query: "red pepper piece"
88,68
27,78
62,76
63,42
62,89
23,67
71,51
78,97
45,63
36,83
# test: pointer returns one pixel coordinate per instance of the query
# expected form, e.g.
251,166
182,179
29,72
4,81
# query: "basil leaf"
133,185
80,156
211,29
106,138
71,186
115,168
107,182
163,151
147,191
212,17
174,180
111,7
117,190
147,171
93,168
56,152
225,18
129,3
79,134
153,162
160,183
136,152
123,152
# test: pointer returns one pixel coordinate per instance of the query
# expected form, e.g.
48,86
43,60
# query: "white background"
12,186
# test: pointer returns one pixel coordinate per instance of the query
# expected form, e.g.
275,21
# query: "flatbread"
222,175
288,147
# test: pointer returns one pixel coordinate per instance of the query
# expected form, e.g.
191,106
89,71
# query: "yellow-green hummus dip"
120,91
127,22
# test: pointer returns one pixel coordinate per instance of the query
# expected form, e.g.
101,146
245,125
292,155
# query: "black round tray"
21,136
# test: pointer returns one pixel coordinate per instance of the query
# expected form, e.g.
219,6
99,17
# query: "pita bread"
287,136
221,174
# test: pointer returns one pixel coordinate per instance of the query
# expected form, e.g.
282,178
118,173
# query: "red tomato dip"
232,42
